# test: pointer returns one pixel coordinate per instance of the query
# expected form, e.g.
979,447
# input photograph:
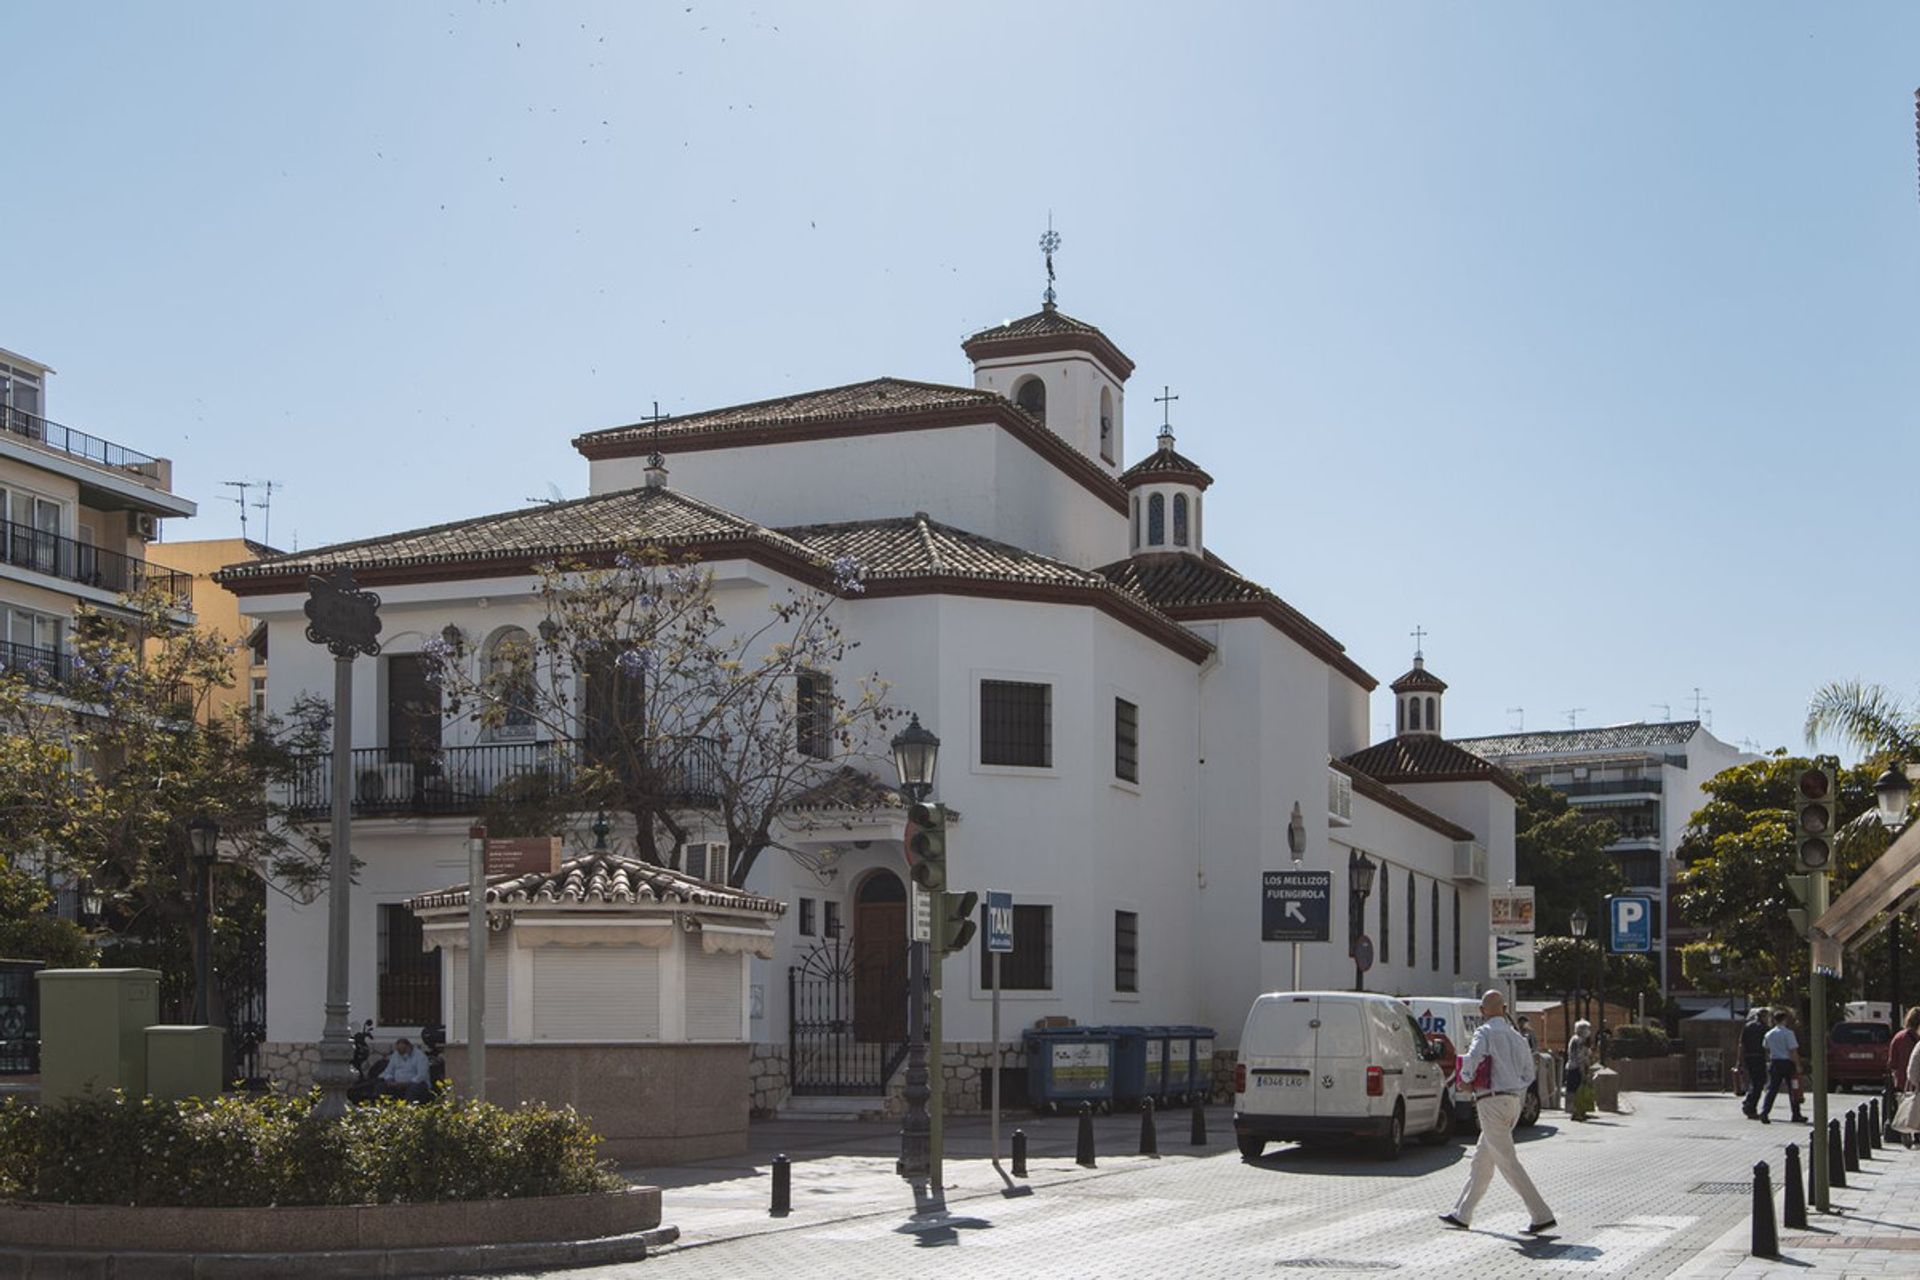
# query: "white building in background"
1648,779
1129,727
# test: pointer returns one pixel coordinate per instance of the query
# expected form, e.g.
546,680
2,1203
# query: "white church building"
1132,732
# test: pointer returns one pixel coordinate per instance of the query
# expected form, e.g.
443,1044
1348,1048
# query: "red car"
1857,1055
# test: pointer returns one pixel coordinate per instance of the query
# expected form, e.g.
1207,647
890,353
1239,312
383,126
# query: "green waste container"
93,1030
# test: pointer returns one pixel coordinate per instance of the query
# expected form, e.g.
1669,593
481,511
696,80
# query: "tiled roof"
916,546
1185,586
878,397
657,515
1638,736
604,879
1165,464
848,788
1427,757
1046,329
1419,679
1381,793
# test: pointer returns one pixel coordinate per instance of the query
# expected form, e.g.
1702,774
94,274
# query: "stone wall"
769,1079
289,1064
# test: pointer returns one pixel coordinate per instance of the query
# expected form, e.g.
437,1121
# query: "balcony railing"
44,668
78,444
74,561
407,782
1608,787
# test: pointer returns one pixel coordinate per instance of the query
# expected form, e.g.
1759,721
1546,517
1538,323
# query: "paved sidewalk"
1874,1229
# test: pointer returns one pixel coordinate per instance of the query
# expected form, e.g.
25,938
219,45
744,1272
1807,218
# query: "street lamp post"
1893,792
1577,926
205,836
916,753
1360,869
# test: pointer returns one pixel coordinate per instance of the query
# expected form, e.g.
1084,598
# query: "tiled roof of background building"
1047,328
1641,735
877,397
604,879
1165,465
916,546
1427,757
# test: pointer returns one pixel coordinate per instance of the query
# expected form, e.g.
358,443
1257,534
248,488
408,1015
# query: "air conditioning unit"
143,525
383,784
1470,861
1339,798
706,860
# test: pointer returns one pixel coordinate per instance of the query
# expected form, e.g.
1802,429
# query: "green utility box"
93,1030
186,1062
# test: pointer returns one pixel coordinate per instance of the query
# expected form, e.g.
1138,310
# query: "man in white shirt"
1783,1064
1497,1105
408,1074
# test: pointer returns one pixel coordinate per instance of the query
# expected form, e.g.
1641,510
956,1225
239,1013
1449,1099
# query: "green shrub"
248,1150
1638,1042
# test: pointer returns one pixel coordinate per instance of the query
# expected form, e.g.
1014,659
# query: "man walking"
1753,1060
1783,1064
1497,1106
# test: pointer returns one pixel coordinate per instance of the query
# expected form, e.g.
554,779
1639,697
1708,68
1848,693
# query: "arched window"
1136,519
1413,913
1156,520
1031,395
1433,925
1106,424
1433,713
1386,914
1400,717
1179,519
510,682
1456,931
1197,500
1413,715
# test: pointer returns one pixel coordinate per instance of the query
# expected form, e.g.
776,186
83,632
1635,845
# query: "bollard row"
1766,1235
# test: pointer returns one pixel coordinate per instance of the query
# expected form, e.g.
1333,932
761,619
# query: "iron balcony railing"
44,668
74,561
1608,787
410,781
78,444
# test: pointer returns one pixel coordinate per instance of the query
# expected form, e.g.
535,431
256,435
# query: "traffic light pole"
937,1103
915,1136
1817,1053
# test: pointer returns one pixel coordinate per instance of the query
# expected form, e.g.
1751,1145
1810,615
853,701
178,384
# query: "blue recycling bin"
1189,1063
1067,1066
1139,1062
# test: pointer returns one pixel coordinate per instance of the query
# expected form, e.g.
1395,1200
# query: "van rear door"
1341,1059
1278,1048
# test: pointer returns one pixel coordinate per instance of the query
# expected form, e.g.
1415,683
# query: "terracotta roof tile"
848,788
1164,465
1046,329
1381,793
1419,678
916,546
1427,757
877,397
603,879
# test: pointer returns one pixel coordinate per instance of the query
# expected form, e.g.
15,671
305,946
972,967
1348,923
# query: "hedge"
248,1150
1637,1042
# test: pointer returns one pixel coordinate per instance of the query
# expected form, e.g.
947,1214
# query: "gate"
830,1050
19,1018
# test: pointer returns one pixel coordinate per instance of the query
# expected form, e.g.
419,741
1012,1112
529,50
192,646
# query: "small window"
1179,519
1106,424
1126,740
1413,915
259,695
808,907
1136,520
833,918
1384,878
1400,716
1029,966
813,697
510,675
1031,395
1456,931
1413,714
1016,724
409,986
1433,924
1433,714
1126,951
1156,520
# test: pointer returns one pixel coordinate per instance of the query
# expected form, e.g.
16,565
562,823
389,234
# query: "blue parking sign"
1630,923
999,922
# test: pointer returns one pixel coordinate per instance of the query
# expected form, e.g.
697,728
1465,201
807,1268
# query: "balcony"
44,668
70,560
76,444
401,782
1609,787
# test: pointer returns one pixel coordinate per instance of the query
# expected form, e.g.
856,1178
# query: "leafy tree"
667,707
1562,852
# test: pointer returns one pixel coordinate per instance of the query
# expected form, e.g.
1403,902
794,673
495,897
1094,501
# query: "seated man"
408,1074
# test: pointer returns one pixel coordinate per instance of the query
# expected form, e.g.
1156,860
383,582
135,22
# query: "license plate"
1279,1080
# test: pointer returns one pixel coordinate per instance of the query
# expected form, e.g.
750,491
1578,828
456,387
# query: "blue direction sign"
999,922
1296,906
1630,923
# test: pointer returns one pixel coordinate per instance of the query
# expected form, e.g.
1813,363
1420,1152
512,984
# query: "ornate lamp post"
1577,926
1893,792
916,753
205,835
1578,923
1360,869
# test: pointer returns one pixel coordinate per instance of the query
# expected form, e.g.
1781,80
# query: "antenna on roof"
265,508
1666,709
1048,243
1701,710
1519,715
1573,717
239,499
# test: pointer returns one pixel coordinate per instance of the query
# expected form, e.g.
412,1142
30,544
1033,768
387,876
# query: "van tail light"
1376,1082
1239,1077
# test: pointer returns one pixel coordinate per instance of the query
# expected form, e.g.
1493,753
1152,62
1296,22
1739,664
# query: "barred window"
1126,740
1126,951
1029,966
1016,724
807,908
813,697
409,986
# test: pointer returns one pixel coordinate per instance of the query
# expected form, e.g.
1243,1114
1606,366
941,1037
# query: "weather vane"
1048,243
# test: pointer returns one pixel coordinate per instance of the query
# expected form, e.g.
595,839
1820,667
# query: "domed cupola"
1164,491
1417,697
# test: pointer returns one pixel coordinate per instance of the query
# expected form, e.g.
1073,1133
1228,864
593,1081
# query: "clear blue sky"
1532,326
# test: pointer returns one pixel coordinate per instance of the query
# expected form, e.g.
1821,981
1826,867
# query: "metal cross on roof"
656,415
1048,243
1419,635
1165,400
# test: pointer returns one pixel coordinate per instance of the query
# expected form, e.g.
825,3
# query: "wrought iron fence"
71,560
19,1017
44,668
843,1041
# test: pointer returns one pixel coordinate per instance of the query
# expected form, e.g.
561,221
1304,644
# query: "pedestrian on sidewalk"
1904,1065
1753,1060
1579,1056
1783,1064
1497,1044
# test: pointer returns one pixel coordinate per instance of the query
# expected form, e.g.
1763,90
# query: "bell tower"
1417,695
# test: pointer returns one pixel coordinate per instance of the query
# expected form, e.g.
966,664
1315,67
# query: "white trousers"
1498,1114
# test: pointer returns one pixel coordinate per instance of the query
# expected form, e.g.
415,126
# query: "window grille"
813,694
1126,951
409,988
1029,966
1016,724
1126,740
807,908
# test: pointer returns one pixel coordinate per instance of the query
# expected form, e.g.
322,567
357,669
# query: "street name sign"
1296,906
1630,923
999,922
1512,955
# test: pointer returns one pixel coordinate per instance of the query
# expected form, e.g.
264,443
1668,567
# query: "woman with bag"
1906,1076
1576,1072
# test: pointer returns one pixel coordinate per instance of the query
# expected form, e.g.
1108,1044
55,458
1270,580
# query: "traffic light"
1814,817
927,846
1799,887
954,925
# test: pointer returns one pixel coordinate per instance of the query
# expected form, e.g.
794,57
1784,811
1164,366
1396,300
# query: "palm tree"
1870,717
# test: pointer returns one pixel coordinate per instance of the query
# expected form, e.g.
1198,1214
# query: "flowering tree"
670,711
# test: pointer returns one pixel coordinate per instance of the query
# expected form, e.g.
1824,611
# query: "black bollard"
1813,1195
1766,1236
1083,1150
1199,1135
1879,1129
1019,1153
1795,1209
1864,1124
782,1187
1836,1156
1149,1136
1849,1144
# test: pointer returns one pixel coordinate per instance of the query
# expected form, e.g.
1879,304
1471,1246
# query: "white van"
1456,1019
1336,1064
